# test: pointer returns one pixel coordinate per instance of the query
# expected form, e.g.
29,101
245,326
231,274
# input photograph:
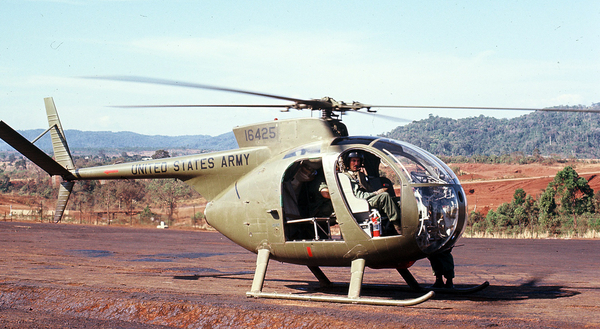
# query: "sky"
437,53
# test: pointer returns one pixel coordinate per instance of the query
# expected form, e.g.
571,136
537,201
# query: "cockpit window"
417,164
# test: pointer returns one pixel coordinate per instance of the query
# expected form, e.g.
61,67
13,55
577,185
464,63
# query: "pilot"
380,199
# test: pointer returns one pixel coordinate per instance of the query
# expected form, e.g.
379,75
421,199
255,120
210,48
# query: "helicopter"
255,196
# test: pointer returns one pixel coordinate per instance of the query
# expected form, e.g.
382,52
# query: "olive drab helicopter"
256,196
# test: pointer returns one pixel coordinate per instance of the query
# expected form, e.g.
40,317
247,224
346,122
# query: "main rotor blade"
190,85
204,105
548,109
322,104
382,116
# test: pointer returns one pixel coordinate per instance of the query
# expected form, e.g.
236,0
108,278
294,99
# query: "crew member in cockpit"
380,199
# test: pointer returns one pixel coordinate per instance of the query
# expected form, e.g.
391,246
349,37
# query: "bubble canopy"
437,192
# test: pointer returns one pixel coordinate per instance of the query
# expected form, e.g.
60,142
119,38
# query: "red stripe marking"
309,251
114,171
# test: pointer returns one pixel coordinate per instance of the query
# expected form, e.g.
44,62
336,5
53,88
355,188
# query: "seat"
359,207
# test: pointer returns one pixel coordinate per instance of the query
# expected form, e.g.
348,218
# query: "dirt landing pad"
90,276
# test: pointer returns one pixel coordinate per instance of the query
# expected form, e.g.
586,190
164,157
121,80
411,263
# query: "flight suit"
383,201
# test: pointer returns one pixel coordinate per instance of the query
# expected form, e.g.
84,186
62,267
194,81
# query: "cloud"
568,99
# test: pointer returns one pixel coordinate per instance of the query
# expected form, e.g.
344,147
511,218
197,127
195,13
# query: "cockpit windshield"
418,165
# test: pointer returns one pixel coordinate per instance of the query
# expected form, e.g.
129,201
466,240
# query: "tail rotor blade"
32,152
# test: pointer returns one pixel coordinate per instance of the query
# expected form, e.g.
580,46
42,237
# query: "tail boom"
32,152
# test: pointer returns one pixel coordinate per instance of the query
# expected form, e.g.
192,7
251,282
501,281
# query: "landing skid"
414,285
357,271
345,300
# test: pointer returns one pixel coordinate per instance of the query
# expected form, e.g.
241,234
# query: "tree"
477,221
574,193
519,197
4,182
530,210
21,164
160,154
146,215
84,195
129,191
168,191
547,206
107,195
597,201
197,219
525,209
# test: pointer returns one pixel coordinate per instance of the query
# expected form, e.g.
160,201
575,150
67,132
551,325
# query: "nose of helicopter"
442,216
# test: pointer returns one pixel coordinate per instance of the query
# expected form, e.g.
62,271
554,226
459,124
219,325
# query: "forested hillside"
566,134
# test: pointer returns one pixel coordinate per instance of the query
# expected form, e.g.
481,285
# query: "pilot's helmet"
353,154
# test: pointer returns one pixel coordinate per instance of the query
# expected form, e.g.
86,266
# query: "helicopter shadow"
221,275
527,290
200,273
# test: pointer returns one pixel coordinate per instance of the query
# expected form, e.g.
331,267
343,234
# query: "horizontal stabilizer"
32,152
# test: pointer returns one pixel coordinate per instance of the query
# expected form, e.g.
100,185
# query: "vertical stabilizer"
64,191
62,155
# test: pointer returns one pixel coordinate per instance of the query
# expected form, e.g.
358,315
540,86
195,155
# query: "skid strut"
357,270
409,278
323,280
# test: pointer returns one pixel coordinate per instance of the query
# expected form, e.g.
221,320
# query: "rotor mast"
329,108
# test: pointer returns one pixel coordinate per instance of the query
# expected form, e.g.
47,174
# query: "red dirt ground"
88,276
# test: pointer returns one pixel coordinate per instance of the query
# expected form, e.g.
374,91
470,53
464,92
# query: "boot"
439,282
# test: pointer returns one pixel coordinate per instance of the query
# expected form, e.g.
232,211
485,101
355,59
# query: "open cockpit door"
307,211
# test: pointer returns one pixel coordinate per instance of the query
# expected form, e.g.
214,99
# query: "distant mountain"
567,134
129,141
